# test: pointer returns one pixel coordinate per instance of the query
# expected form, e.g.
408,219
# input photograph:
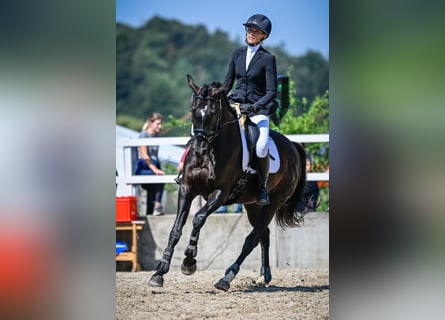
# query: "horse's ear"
192,84
226,89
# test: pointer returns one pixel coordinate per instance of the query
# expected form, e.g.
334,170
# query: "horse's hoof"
188,270
222,285
260,281
156,281
188,266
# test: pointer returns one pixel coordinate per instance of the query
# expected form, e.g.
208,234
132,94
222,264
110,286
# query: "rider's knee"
261,150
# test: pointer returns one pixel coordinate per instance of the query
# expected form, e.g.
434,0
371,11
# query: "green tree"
315,120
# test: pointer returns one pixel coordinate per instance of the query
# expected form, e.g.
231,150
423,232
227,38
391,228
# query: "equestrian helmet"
260,22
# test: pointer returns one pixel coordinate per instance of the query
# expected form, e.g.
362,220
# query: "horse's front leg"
214,202
184,203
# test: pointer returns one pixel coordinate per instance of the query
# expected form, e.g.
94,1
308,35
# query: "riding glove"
247,108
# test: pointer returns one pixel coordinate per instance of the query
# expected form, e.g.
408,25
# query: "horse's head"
208,103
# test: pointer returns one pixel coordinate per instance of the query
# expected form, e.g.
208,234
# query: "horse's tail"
288,215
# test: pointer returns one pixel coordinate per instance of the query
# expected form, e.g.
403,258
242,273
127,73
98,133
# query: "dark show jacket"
257,85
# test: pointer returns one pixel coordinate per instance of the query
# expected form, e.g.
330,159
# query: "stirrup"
262,197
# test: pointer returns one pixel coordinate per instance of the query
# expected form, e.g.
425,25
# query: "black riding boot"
262,167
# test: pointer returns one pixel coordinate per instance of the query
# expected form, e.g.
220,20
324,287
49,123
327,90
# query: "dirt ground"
292,294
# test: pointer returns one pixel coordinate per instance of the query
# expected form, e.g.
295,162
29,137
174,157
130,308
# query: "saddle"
252,132
249,136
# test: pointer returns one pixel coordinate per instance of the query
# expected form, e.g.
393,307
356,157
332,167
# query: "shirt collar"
253,49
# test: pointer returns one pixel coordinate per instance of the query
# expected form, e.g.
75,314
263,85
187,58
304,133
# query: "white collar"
254,49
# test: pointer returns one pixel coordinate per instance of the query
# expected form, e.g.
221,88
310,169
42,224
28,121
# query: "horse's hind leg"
265,274
252,240
249,244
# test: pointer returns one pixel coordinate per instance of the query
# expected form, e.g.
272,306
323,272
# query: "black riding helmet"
260,22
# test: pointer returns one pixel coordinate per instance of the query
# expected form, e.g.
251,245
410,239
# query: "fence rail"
127,179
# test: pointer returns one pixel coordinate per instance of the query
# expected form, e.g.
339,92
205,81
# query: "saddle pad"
274,156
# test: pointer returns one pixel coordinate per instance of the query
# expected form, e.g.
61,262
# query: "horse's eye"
212,107
194,106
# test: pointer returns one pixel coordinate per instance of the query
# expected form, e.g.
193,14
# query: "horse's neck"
229,139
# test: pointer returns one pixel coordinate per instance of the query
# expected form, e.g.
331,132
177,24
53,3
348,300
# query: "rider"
255,72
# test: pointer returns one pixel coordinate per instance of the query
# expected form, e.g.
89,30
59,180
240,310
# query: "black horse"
213,170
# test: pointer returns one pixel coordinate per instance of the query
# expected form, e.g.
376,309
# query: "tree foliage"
315,120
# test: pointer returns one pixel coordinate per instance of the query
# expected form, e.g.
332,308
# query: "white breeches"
262,121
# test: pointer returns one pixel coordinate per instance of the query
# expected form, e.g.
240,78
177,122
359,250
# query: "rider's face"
254,35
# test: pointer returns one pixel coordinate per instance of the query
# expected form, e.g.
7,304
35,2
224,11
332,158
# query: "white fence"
126,179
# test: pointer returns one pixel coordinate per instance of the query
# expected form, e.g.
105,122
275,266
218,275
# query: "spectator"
148,163
311,191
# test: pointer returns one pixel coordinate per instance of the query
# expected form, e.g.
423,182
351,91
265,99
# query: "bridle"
207,134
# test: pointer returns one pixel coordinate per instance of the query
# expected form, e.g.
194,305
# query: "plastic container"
126,209
121,247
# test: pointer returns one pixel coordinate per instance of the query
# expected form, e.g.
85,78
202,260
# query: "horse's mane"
215,84
209,88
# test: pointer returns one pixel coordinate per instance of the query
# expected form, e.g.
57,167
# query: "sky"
299,25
